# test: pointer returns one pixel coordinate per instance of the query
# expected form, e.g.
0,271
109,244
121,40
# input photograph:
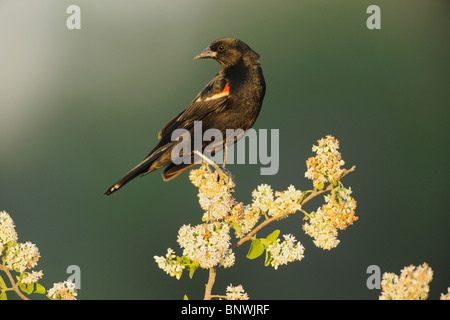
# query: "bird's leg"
214,165
206,159
225,171
224,154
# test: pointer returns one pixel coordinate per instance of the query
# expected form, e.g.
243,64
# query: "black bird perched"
231,100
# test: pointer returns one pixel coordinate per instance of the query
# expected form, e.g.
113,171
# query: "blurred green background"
80,108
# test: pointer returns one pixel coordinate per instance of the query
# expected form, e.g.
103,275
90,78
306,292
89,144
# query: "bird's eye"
221,47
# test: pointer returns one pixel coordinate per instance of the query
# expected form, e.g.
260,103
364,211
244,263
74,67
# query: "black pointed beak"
206,54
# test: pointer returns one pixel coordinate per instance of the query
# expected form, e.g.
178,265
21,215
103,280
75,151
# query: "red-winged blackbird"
231,100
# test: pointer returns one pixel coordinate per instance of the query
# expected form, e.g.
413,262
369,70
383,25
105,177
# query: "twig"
209,285
14,285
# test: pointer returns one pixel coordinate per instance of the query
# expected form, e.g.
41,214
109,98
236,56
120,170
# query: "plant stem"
14,285
218,296
209,285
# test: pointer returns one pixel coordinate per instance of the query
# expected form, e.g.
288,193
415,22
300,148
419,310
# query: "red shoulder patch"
225,92
226,89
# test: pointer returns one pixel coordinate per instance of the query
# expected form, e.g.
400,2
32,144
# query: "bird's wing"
213,98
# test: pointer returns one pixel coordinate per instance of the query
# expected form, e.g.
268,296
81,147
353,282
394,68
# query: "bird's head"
229,52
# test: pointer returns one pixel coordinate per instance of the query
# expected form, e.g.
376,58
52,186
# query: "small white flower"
236,293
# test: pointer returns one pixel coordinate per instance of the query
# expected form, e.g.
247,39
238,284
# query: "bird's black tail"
142,168
126,178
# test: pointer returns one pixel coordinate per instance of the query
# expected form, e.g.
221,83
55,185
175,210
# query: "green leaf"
273,236
188,264
268,258
264,242
2,283
26,288
237,228
256,249
3,296
30,288
192,267
38,288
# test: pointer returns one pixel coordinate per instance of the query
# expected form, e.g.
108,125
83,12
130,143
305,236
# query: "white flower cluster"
286,202
8,233
412,284
336,214
63,291
17,256
214,193
286,251
22,256
262,198
31,277
170,264
326,165
207,244
245,219
324,234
